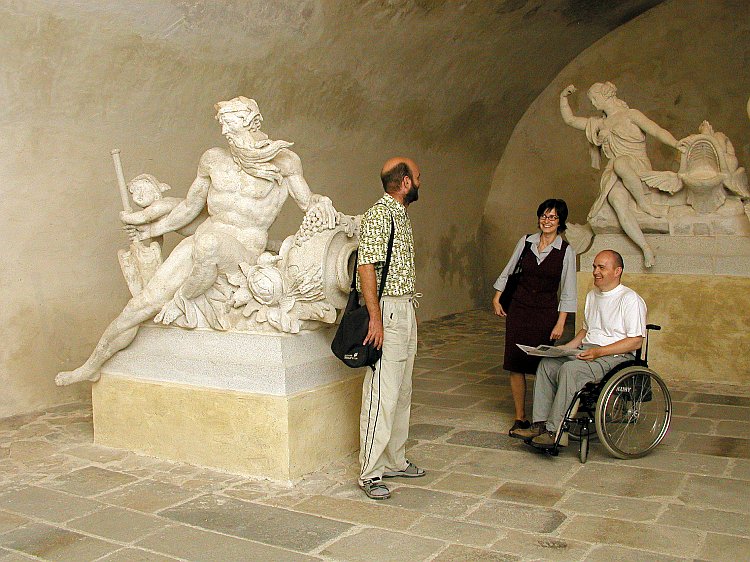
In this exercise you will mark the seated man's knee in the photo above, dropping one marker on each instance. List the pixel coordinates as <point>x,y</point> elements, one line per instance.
<point>206,248</point>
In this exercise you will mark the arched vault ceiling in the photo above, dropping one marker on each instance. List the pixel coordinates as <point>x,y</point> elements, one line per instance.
<point>456,74</point>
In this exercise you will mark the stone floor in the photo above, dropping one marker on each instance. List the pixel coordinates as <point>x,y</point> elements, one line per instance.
<point>486,497</point>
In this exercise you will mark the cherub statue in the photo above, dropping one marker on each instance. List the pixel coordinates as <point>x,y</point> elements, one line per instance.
<point>621,135</point>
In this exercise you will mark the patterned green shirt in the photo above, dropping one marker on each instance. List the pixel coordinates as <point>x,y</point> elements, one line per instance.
<point>374,232</point>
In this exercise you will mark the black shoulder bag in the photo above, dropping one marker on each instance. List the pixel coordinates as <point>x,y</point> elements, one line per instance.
<point>355,322</point>
<point>512,284</point>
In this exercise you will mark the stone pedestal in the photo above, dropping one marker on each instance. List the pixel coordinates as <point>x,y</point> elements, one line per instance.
<point>704,321</point>
<point>689,255</point>
<point>269,405</point>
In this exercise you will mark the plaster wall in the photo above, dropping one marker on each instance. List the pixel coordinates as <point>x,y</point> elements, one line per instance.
<point>351,83</point>
<point>679,63</point>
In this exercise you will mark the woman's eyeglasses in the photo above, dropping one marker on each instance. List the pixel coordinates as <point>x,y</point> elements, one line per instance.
<point>549,218</point>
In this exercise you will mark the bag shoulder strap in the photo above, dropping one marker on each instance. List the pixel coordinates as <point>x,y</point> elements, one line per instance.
<point>526,246</point>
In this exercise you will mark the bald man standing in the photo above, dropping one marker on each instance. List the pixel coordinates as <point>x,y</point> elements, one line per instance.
<point>386,393</point>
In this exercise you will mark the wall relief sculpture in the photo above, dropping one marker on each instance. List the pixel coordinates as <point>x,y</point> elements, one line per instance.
<point>708,195</point>
<point>222,276</point>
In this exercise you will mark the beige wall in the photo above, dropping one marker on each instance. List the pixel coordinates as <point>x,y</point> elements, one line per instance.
<point>351,83</point>
<point>679,63</point>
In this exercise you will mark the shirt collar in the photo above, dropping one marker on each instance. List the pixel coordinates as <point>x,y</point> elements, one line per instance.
<point>556,243</point>
<point>392,204</point>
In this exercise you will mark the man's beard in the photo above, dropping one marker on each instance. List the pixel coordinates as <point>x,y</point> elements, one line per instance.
<point>411,195</point>
<point>254,158</point>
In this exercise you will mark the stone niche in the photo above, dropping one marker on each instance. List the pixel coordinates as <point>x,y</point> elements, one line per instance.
<point>271,405</point>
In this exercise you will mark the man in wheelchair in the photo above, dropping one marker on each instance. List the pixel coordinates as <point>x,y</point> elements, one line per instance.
<point>613,329</point>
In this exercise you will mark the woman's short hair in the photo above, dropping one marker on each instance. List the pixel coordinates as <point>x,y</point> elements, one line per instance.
<point>560,207</point>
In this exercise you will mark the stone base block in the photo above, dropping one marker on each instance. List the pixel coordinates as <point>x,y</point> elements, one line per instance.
<point>704,333</point>
<point>280,415</point>
<point>695,255</point>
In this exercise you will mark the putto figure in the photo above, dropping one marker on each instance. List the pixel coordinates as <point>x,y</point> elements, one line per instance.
<point>243,187</point>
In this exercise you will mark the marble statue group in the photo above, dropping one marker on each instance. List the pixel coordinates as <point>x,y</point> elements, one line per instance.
<point>708,195</point>
<point>222,276</point>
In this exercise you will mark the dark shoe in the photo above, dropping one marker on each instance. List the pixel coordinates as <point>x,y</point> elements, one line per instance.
<point>411,471</point>
<point>536,428</point>
<point>375,489</point>
<point>519,424</point>
<point>546,440</point>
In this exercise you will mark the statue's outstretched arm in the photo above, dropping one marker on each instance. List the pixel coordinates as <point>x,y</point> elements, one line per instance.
<point>188,209</point>
<point>653,129</point>
<point>300,190</point>
<point>567,113</point>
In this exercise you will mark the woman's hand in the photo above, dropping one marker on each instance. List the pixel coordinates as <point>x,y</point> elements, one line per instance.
<point>496,306</point>
<point>567,91</point>
<point>557,332</point>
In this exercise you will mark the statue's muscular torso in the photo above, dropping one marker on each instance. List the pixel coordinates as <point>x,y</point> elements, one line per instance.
<point>241,205</point>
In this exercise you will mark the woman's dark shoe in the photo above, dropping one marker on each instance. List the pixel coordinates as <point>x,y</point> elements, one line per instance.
<point>519,424</point>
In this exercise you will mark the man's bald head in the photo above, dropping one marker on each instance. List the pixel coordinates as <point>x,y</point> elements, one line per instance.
<point>395,170</point>
<point>615,257</point>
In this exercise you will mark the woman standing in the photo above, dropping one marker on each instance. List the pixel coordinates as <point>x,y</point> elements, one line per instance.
<point>535,316</point>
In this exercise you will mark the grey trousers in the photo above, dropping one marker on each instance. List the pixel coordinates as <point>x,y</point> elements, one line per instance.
<point>386,393</point>
<point>559,378</point>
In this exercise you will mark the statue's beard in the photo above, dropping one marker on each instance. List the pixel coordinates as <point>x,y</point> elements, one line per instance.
<point>253,156</point>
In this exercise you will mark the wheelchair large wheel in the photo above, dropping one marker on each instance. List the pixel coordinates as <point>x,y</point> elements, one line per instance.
<point>633,412</point>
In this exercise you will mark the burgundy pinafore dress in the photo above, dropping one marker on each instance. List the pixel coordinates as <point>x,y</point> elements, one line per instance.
<point>533,311</point>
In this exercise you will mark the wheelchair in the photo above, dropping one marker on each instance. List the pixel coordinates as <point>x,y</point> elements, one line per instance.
<point>630,409</point>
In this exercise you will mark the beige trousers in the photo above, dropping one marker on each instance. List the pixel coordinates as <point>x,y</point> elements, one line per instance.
<point>386,393</point>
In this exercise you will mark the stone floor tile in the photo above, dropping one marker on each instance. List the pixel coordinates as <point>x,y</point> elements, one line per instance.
<point>467,484</point>
<point>269,525</point>
<point>519,465</point>
<point>741,469</point>
<point>632,509</point>
<point>89,481</point>
<point>430,502</point>
<point>733,428</point>
<point>692,425</point>
<point>478,366</point>
<point>53,543</point>
<point>118,524</point>
<point>725,547</point>
<point>435,363</point>
<point>434,385</point>
<point>457,378</point>
<point>721,412</point>
<point>456,553</point>
<point>436,455</point>
<point>455,531</point>
<point>49,505</point>
<point>532,546</point>
<point>135,555</point>
<point>530,518</point>
<point>717,446</point>
<point>9,521</point>
<point>247,495</point>
<point>28,450</point>
<point>629,481</point>
<point>97,453</point>
<point>443,400</point>
<point>528,493</point>
<point>10,556</point>
<point>147,495</point>
<point>708,491</point>
<point>690,463</point>
<point>705,519</point>
<point>608,553</point>
<point>725,399</point>
<point>683,409</point>
<point>375,514</point>
<point>486,440</point>
<point>196,544</point>
<point>428,431</point>
<point>484,391</point>
<point>646,536</point>
<point>369,545</point>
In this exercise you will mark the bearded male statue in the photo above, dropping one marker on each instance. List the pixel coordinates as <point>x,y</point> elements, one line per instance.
<point>243,187</point>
